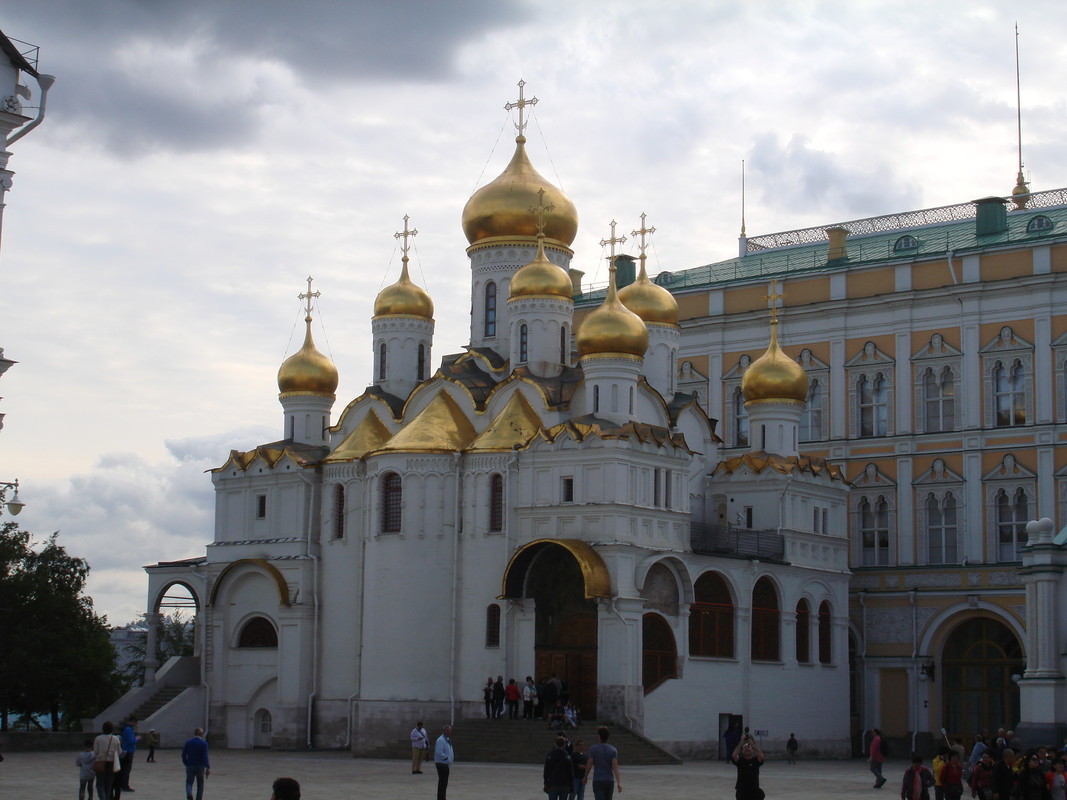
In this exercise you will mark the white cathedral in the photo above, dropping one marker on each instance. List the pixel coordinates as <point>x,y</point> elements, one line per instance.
<point>546,501</point>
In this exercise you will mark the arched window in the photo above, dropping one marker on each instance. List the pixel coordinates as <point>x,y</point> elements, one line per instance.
<point>258,632</point>
<point>811,419</point>
<point>496,503</point>
<point>872,405</point>
<point>941,528</point>
<point>490,309</point>
<point>659,654</point>
<point>524,344</point>
<point>874,532</point>
<point>596,399</point>
<point>1039,224</point>
<point>422,362</point>
<point>1013,512</point>
<point>492,625</point>
<point>563,345</point>
<point>392,502</point>
<point>381,361</point>
<point>740,419</point>
<point>711,618</point>
<point>825,633</point>
<point>1009,397</point>
<point>803,632</point>
<point>339,511</point>
<point>765,617</point>
<point>905,242</point>
<point>939,392</point>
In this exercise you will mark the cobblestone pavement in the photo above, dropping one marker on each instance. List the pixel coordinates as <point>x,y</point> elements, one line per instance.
<point>248,774</point>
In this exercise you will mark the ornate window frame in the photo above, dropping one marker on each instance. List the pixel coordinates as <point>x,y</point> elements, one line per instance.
<point>870,364</point>
<point>936,355</point>
<point>818,379</point>
<point>1005,349</point>
<point>692,381</point>
<point>1009,476</point>
<point>938,482</point>
<point>731,384</point>
<point>1059,369</point>
<point>871,486</point>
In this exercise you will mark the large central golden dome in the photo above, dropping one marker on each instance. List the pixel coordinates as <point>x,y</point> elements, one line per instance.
<point>774,375</point>
<point>502,207</point>
<point>307,370</point>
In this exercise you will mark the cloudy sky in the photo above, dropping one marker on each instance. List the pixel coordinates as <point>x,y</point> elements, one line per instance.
<point>200,160</point>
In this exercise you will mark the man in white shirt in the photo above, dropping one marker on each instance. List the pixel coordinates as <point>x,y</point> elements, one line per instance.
<point>443,756</point>
<point>420,740</point>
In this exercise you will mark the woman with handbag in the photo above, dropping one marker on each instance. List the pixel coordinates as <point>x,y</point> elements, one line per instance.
<point>106,748</point>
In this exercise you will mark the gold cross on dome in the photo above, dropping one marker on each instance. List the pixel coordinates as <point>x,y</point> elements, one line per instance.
<point>540,209</point>
<point>642,231</point>
<point>308,296</point>
<point>773,298</point>
<point>405,235</point>
<point>520,104</point>
<point>613,241</point>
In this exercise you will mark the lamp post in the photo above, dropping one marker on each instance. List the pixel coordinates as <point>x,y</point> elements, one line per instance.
<point>14,505</point>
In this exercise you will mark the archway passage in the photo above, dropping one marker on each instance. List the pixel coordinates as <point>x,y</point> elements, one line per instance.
<point>565,627</point>
<point>659,654</point>
<point>978,692</point>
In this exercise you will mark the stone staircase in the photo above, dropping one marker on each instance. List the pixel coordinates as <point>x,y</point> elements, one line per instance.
<point>157,701</point>
<point>528,742</point>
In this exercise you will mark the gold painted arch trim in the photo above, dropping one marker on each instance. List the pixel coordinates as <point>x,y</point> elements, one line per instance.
<point>262,563</point>
<point>595,573</point>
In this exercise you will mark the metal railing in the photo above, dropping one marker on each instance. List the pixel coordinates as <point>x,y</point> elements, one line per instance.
<point>728,540</point>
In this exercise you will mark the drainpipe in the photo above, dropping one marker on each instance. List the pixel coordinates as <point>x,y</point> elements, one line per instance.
<point>45,82</point>
<point>914,666</point>
<point>952,269</point>
<point>457,527</point>
<point>315,618</point>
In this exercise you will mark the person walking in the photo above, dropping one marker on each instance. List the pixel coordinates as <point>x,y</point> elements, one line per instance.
<point>498,697</point>
<point>129,739</point>
<point>952,777</point>
<point>197,764</point>
<point>420,740</point>
<point>558,772</point>
<point>106,748</point>
<point>982,777</point>
<point>603,766</point>
<point>791,748</point>
<point>917,781</point>
<point>876,757</point>
<point>487,695</point>
<point>1004,775</point>
<point>443,758</point>
<point>512,693</point>
<point>153,743</point>
<point>86,774</point>
<point>748,758</point>
<point>580,759</point>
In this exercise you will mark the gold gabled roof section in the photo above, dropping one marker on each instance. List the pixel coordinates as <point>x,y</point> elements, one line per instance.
<point>270,455</point>
<point>441,427</point>
<point>514,426</point>
<point>369,435</point>
<point>758,462</point>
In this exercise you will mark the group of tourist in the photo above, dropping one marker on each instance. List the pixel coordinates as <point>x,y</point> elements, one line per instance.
<point>546,699</point>
<point>568,769</point>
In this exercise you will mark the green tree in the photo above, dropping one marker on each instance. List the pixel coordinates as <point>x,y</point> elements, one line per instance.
<point>55,653</point>
<point>174,637</point>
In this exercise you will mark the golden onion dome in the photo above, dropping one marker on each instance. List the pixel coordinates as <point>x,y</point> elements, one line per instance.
<point>650,302</point>
<point>403,298</point>
<point>307,370</point>
<point>1020,193</point>
<point>502,206</point>
<point>774,375</point>
<point>612,328</point>
<point>542,278</point>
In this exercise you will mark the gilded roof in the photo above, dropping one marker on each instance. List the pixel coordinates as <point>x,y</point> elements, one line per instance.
<point>774,375</point>
<point>468,374</point>
<point>369,435</point>
<point>305,455</point>
<point>515,425</point>
<point>307,370</point>
<point>440,427</point>
<point>403,298</point>
<point>760,461</point>
<point>581,428</point>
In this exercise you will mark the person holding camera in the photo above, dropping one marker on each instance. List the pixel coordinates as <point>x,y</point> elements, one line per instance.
<point>748,758</point>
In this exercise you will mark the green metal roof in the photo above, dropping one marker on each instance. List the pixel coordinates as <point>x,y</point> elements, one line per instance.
<point>809,255</point>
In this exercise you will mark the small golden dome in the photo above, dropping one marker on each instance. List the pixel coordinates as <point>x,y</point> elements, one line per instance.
<point>612,328</point>
<point>403,298</point>
<point>542,278</point>
<point>502,207</point>
<point>650,302</point>
<point>1020,193</point>
<point>774,375</point>
<point>307,370</point>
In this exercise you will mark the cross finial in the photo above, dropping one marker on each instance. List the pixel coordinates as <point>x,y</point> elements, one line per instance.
<point>520,104</point>
<point>308,296</point>
<point>612,241</point>
<point>540,210</point>
<point>773,298</point>
<point>405,235</point>
<point>642,232</point>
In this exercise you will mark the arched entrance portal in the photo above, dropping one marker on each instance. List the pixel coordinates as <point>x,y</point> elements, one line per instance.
<point>979,658</point>
<point>564,578</point>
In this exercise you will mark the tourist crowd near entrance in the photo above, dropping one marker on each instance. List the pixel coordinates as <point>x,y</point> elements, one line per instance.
<point>793,491</point>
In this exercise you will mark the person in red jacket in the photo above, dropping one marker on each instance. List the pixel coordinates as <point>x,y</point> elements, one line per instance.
<point>512,693</point>
<point>982,778</point>
<point>876,759</point>
<point>952,777</point>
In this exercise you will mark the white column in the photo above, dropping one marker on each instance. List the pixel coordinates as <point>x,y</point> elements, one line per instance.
<point>151,663</point>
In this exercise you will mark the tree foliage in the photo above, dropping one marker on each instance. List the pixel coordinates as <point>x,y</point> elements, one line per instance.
<point>55,653</point>
<point>174,637</point>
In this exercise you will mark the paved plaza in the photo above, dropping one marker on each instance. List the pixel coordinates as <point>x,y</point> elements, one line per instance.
<point>248,774</point>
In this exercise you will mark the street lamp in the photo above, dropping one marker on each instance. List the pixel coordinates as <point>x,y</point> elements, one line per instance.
<point>14,505</point>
